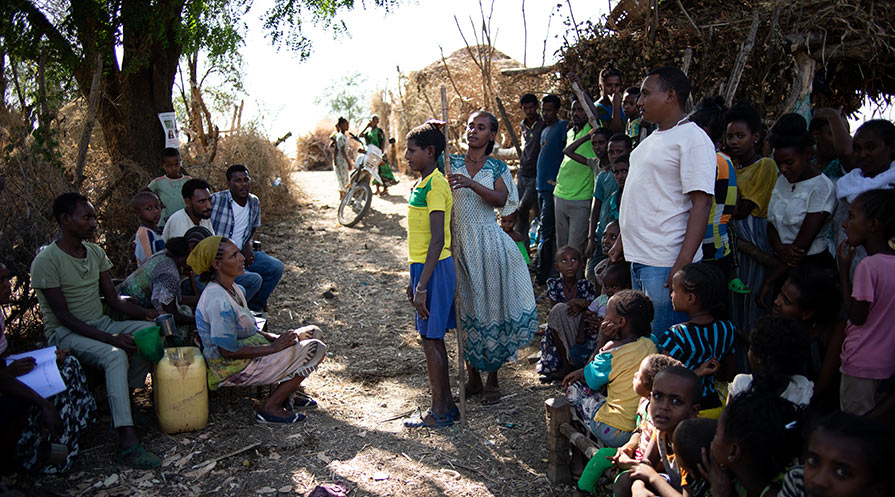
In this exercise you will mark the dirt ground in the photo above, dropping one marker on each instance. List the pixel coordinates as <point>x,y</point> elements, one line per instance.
<point>374,372</point>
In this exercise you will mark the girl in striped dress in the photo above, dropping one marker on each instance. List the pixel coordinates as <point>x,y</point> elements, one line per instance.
<point>707,336</point>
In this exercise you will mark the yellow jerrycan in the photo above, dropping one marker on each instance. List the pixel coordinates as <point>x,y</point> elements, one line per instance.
<point>180,388</point>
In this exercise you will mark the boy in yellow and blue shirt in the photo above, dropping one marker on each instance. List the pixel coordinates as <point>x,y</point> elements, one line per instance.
<point>433,276</point>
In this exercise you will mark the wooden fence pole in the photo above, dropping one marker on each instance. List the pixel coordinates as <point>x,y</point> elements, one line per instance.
<point>461,367</point>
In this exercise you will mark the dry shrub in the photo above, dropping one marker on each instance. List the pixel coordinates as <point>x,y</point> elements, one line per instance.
<point>421,93</point>
<point>314,151</point>
<point>35,171</point>
<point>265,162</point>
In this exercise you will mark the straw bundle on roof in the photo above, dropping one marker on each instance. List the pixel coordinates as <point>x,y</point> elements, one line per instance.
<point>838,51</point>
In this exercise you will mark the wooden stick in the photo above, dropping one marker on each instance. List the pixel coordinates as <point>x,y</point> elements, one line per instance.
<point>740,63</point>
<point>461,370</point>
<point>594,123</point>
<point>558,458</point>
<point>225,456</point>
<point>509,126</point>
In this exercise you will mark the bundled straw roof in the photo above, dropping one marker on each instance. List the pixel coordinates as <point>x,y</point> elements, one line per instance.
<point>838,51</point>
<point>421,99</point>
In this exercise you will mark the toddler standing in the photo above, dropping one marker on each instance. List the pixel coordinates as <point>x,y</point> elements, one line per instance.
<point>169,187</point>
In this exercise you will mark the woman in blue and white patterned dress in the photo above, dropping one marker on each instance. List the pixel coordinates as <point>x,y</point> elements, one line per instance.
<point>495,297</point>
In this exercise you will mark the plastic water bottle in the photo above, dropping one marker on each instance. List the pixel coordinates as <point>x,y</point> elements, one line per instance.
<point>277,181</point>
<point>533,232</point>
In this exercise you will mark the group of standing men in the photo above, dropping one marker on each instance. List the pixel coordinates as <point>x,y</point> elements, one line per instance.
<point>664,211</point>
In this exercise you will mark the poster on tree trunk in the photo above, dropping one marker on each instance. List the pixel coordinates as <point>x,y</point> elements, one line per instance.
<point>169,125</point>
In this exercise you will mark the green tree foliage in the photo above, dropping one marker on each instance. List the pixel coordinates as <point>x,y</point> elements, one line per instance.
<point>346,97</point>
<point>150,37</point>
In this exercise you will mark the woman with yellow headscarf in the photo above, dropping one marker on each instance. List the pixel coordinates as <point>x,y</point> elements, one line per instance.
<point>237,352</point>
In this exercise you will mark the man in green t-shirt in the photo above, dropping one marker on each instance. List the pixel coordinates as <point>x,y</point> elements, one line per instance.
<point>70,275</point>
<point>574,185</point>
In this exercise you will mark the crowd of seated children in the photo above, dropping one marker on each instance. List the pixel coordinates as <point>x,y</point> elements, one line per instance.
<point>625,456</point>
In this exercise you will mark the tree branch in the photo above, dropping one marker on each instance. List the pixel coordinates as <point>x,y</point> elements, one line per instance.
<point>89,120</point>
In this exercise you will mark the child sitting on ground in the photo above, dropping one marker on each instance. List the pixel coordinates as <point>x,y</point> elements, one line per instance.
<point>577,295</point>
<point>846,456</point>
<point>629,454</point>
<point>752,446</point>
<point>169,187</point>
<point>778,348</point>
<point>624,332</point>
<point>573,337</point>
<point>867,353</point>
<point>508,224</point>
<point>812,296</point>
<point>699,291</point>
<point>147,240</point>
<point>674,398</point>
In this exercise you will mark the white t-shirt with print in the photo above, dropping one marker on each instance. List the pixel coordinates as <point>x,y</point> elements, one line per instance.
<point>240,222</point>
<point>665,167</point>
<point>789,206</point>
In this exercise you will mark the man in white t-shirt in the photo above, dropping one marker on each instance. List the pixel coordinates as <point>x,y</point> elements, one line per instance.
<point>197,211</point>
<point>236,214</point>
<point>668,194</point>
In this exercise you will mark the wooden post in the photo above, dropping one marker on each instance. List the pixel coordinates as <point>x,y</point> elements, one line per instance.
<point>461,366</point>
<point>509,125</point>
<point>591,118</point>
<point>558,456</point>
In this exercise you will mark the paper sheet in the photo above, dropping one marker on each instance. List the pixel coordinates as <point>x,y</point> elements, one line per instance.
<point>44,378</point>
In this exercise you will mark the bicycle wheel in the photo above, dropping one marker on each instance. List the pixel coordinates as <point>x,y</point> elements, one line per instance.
<point>355,204</point>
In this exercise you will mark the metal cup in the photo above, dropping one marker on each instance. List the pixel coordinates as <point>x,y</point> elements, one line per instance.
<point>166,323</point>
<point>52,453</point>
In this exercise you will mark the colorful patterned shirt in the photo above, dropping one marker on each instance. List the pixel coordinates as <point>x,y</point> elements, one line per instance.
<point>716,243</point>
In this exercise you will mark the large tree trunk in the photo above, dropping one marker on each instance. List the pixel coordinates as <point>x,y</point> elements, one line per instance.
<point>142,87</point>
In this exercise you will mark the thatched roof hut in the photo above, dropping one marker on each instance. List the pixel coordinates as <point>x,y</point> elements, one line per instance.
<point>467,90</point>
<point>772,53</point>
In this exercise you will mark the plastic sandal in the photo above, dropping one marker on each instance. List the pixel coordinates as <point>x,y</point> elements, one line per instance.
<point>270,419</point>
<point>441,420</point>
<point>138,457</point>
<point>736,285</point>
<point>303,401</point>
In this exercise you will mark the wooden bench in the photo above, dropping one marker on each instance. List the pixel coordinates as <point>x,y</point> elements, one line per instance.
<point>562,438</point>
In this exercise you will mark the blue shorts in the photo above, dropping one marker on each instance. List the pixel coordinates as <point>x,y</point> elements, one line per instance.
<point>439,299</point>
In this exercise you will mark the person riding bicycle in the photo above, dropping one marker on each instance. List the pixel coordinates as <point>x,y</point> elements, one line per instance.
<point>375,136</point>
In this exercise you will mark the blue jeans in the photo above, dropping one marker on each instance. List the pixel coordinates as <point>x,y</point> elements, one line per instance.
<point>547,248</point>
<point>270,269</point>
<point>527,198</point>
<point>651,281</point>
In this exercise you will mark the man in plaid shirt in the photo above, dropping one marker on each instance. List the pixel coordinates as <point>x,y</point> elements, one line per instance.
<point>236,214</point>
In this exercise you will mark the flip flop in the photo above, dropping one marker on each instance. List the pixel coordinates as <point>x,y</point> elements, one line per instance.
<point>139,458</point>
<point>441,420</point>
<point>490,400</point>
<point>736,285</point>
<point>270,419</point>
<point>303,401</point>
